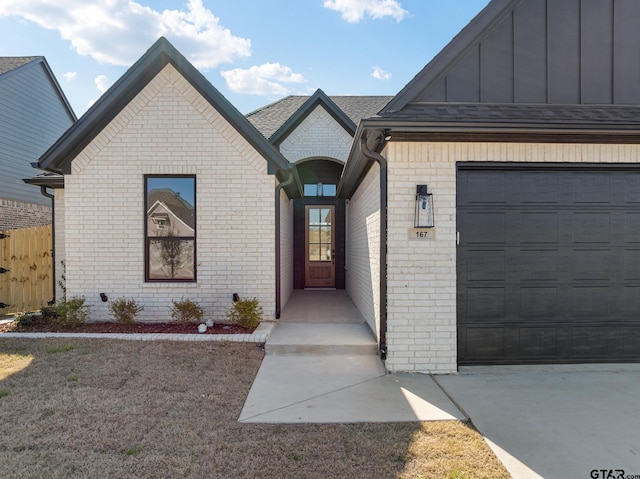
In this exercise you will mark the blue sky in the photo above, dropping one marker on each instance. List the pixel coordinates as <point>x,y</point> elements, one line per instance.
<point>253,51</point>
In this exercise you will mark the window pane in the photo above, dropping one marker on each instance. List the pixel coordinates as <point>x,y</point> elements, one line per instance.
<point>328,190</point>
<point>170,207</point>
<point>325,235</point>
<point>314,234</point>
<point>314,216</point>
<point>326,252</point>
<point>310,190</point>
<point>326,216</point>
<point>314,252</point>
<point>171,258</point>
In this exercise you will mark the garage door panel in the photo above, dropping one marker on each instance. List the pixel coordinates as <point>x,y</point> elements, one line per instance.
<point>537,343</point>
<point>539,188</point>
<point>590,265</point>
<point>538,303</point>
<point>549,270</point>
<point>591,227</point>
<point>537,227</point>
<point>486,265</point>
<point>484,228</point>
<point>485,304</point>
<point>590,187</point>
<point>632,228</point>
<point>486,343</point>
<point>535,265</point>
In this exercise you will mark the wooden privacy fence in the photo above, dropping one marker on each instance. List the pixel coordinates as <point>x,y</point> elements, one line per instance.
<point>25,269</point>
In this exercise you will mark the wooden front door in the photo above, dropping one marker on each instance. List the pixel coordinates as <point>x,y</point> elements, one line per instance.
<point>320,264</point>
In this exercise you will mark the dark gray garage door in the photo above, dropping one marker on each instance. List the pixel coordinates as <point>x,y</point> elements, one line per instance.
<point>548,264</point>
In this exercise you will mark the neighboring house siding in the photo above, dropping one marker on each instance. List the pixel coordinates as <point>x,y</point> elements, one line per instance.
<point>32,117</point>
<point>318,136</point>
<point>363,248</point>
<point>18,214</point>
<point>422,273</point>
<point>286,248</point>
<point>170,129</point>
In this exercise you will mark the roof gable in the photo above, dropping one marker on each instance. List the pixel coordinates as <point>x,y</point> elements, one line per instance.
<point>536,51</point>
<point>58,158</point>
<point>319,98</point>
<point>270,118</point>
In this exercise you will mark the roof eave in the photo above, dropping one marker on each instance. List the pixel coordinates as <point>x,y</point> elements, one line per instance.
<point>55,183</point>
<point>78,136</point>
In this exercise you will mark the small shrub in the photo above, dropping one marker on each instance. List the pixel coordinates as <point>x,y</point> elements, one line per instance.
<point>125,310</point>
<point>27,320</point>
<point>49,313</point>
<point>4,393</point>
<point>246,312</point>
<point>73,312</point>
<point>187,311</point>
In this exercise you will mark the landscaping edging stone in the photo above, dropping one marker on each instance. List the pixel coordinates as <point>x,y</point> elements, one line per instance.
<point>260,335</point>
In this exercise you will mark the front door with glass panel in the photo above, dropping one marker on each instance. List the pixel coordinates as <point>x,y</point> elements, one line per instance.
<point>320,265</point>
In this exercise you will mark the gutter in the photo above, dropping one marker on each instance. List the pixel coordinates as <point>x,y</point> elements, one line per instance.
<point>43,190</point>
<point>279,187</point>
<point>382,161</point>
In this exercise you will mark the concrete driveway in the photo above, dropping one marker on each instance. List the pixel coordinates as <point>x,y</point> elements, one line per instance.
<point>555,421</point>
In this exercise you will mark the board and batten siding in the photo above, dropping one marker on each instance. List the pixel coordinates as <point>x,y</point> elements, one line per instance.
<point>363,249</point>
<point>170,129</point>
<point>421,273</point>
<point>32,117</point>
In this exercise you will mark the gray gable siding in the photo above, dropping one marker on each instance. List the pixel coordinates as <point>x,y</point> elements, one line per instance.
<point>540,51</point>
<point>32,117</point>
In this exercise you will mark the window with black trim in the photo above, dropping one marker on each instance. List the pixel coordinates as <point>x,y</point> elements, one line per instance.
<point>170,228</point>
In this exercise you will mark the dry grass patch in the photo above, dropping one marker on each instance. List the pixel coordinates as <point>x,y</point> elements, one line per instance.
<point>101,408</point>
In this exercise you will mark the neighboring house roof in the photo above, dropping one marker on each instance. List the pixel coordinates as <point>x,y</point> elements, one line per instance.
<point>172,201</point>
<point>59,157</point>
<point>10,63</point>
<point>270,118</point>
<point>521,70</point>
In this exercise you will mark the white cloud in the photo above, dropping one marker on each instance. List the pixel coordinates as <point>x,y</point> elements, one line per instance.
<point>117,32</point>
<point>102,82</point>
<point>354,10</point>
<point>69,76</point>
<point>380,74</point>
<point>267,79</point>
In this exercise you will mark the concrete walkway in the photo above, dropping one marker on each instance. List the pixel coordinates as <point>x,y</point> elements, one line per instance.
<point>321,367</point>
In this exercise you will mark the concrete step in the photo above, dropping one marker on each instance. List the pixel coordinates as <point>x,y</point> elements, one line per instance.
<point>326,339</point>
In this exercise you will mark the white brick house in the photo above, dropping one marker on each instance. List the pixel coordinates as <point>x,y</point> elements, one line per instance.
<point>529,151</point>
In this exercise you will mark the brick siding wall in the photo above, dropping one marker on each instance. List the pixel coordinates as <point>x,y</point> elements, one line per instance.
<point>18,214</point>
<point>169,128</point>
<point>318,136</point>
<point>422,273</point>
<point>363,249</point>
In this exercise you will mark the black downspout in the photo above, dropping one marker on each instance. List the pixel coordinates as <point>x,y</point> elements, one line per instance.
<point>281,185</point>
<point>43,190</point>
<point>382,161</point>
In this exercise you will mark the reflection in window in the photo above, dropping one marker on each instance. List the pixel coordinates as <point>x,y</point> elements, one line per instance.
<point>170,233</point>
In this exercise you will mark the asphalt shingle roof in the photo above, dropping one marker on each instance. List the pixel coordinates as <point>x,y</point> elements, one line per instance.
<point>519,113</point>
<point>270,118</point>
<point>10,63</point>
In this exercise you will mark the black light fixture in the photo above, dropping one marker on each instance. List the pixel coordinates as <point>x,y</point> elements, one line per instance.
<point>236,297</point>
<point>103,297</point>
<point>424,208</point>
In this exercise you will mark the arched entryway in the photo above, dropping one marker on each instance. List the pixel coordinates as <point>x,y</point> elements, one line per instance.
<point>319,226</point>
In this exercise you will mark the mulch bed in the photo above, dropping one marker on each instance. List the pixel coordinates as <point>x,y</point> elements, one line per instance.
<point>112,327</point>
